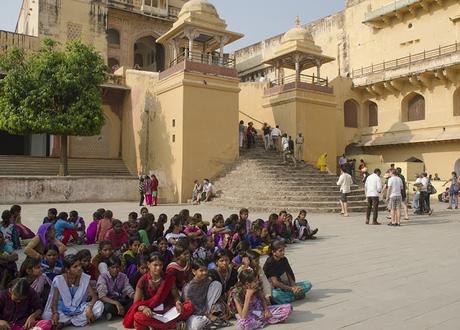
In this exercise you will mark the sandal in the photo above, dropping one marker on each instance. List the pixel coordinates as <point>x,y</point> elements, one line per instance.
<point>221,323</point>
<point>391,224</point>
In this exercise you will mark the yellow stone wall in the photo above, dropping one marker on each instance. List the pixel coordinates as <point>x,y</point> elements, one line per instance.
<point>204,137</point>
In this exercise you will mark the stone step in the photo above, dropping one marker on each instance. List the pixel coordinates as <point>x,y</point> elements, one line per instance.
<point>306,199</point>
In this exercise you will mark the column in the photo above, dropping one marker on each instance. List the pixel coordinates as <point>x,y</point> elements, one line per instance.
<point>297,68</point>
<point>318,71</point>
<point>191,34</point>
<point>223,42</point>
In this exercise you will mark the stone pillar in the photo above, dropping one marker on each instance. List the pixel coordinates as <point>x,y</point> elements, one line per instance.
<point>223,41</point>
<point>297,68</point>
<point>191,34</point>
<point>318,71</point>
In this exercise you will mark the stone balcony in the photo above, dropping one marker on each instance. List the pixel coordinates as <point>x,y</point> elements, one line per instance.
<point>144,8</point>
<point>305,82</point>
<point>203,63</point>
<point>434,60</point>
<point>10,40</point>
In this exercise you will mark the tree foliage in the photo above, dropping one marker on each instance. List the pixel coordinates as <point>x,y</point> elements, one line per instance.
<point>54,91</point>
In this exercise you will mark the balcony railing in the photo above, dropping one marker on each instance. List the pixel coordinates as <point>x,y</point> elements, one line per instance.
<point>407,61</point>
<point>305,82</point>
<point>211,59</point>
<point>304,78</point>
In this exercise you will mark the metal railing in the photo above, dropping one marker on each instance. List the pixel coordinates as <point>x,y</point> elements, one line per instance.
<point>407,60</point>
<point>304,78</point>
<point>211,59</point>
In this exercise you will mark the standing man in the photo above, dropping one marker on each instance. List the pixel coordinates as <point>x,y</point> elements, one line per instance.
<point>403,193</point>
<point>276,136</point>
<point>342,161</point>
<point>299,147</point>
<point>344,182</point>
<point>394,197</point>
<point>241,128</point>
<point>287,153</point>
<point>266,131</point>
<point>424,196</point>
<point>373,188</point>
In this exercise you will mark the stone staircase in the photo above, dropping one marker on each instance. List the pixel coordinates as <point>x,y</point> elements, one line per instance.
<point>41,166</point>
<point>260,181</point>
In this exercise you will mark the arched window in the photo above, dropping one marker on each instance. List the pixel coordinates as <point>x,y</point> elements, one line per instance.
<point>372,114</point>
<point>457,102</point>
<point>413,107</point>
<point>350,113</point>
<point>149,55</point>
<point>113,37</point>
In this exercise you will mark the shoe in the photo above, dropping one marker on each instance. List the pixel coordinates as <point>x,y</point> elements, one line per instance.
<point>367,222</point>
<point>431,212</point>
<point>376,223</point>
<point>314,232</point>
<point>456,207</point>
<point>346,215</point>
<point>449,208</point>
<point>390,224</point>
<point>108,316</point>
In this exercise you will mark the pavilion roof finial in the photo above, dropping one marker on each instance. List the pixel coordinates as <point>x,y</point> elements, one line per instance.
<point>297,21</point>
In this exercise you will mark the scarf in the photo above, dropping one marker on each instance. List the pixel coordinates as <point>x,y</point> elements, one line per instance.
<point>174,265</point>
<point>69,302</point>
<point>42,233</point>
<point>156,297</point>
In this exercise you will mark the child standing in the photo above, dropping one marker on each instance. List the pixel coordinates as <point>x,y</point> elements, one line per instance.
<point>251,309</point>
<point>114,290</point>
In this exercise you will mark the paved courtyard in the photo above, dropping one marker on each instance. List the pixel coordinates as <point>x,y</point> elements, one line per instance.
<point>364,277</point>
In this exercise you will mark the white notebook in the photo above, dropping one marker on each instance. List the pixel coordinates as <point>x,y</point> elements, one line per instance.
<point>170,315</point>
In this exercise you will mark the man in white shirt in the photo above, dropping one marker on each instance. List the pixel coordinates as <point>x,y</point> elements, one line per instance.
<point>276,137</point>
<point>373,188</point>
<point>342,160</point>
<point>207,190</point>
<point>394,196</point>
<point>344,182</point>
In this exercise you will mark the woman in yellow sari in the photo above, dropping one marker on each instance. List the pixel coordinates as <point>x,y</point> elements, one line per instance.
<point>321,164</point>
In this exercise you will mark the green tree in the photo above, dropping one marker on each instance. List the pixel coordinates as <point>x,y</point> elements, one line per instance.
<point>54,91</point>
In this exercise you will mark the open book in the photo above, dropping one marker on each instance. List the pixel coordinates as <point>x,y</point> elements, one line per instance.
<point>170,315</point>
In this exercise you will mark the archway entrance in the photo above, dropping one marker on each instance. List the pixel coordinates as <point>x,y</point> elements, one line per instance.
<point>149,55</point>
<point>457,167</point>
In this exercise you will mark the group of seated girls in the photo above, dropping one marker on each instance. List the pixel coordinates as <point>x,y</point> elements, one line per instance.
<point>187,276</point>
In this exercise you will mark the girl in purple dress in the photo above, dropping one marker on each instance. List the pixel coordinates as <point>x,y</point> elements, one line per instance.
<point>250,306</point>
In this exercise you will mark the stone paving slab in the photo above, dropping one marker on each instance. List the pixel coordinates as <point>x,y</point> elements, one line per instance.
<point>364,277</point>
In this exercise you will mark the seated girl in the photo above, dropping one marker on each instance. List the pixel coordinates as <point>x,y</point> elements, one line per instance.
<point>51,217</point>
<point>165,253</point>
<point>31,270</point>
<point>255,239</point>
<point>154,295</point>
<point>68,300</point>
<point>282,279</point>
<point>251,260</point>
<point>46,236</point>
<point>105,251</point>
<point>80,226</point>
<point>224,273</point>
<point>180,268</point>
<point>117,235</point>
<point>23,231</point>
<point>9,231</point>
<point>143,228</point>
<point>51,265</point>
<point>175,231</point>
<point>114,290</point>
<point>65,229</point>
<point>204,294</point>
<point>8,268</point>
<point>251,309</point>
<point>84,256</point>
<point>131,256</point>
<point>205,251</point>
<point>141,269</point>
<point>218,231</point>
<point>20,308</point>
<point>303,228</point>
<point>91,231</point>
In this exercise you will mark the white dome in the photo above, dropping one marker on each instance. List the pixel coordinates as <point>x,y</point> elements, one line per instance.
<point>202,6</point>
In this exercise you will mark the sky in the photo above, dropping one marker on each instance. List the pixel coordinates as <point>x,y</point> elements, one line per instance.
<point>257,19</point>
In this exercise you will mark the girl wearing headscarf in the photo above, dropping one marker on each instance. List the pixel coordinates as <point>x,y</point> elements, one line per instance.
<point>46,236</point>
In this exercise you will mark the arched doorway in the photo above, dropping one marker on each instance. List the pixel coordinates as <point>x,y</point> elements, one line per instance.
<point>413,107</point>
<point>149,55</point>
<point>457,166</point>
<point>350,113</point>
